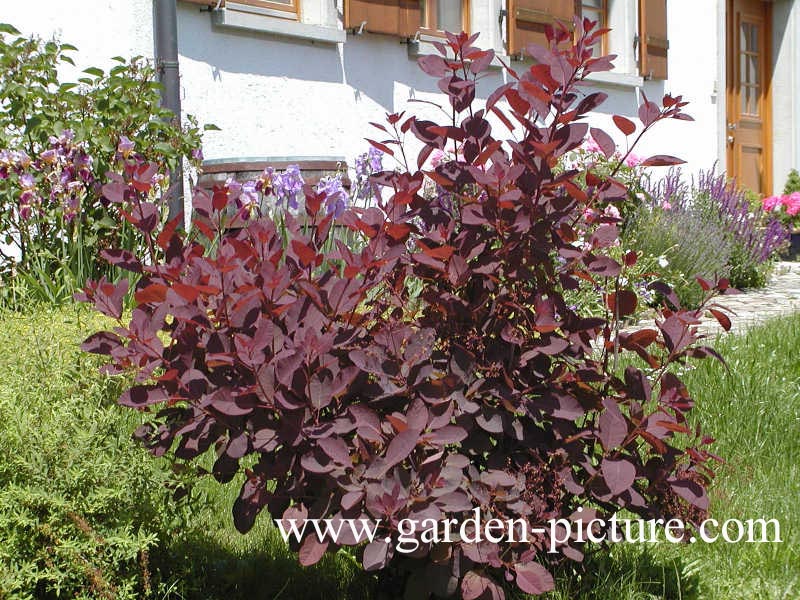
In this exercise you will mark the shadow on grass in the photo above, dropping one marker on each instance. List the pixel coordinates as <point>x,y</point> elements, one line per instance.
<point>267,570</point>
<point>628,573</point>
<point>205,568</point>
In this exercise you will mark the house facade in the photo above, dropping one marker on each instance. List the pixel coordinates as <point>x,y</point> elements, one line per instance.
<point>300,80</point>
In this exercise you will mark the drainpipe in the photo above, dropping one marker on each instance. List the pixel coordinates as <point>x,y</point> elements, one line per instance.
<point>166,46</point>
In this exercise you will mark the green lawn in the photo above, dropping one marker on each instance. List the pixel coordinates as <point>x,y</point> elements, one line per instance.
<point>753,412</point>
<point>65,450</point>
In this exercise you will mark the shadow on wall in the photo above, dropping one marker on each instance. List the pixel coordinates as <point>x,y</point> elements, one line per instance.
<point>368,58</point>
<point>376,68</point>
<point>228,51</point>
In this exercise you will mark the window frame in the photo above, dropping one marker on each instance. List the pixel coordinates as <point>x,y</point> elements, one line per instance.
<point>293,8</point>
<point>426,27</point>
<point>603,14</point>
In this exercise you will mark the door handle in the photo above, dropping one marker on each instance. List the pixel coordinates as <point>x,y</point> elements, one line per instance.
<point>731,126</point>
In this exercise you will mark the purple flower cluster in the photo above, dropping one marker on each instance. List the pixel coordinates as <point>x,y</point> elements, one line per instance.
<point>287,186</point>
<point>365,165</point>
<point>741,220</point>
<point>61,175</point>
<point>712,196</point>
<point>335,195</point>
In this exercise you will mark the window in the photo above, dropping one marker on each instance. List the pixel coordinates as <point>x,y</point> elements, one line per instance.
<point>445,15</point>
<point>527,20</point>
<point>405,18</point>
<point>278,8</point>
<point>653,42</point>
<point>595,10</point>
<point>643,21</point>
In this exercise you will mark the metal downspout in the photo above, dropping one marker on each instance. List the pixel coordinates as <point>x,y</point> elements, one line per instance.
<point>166,48</point>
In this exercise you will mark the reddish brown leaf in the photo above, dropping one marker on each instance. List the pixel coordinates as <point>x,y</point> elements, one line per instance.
<point>662,160</point>
<point>155,292</point>
<point>306,255</point>
<point>722,318</point>
<point>625,125</point>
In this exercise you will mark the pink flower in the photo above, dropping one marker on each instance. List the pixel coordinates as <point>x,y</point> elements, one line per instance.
<point>633,160</point>
<point>666,205</point>
<point>770,203</point>
<point>590,145</point>
<point>612,211</point>
<point>792,203</point>
<point>436,158</point>
<point>590,215</point>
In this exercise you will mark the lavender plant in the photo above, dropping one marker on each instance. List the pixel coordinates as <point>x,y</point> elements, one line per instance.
<point>754,245</point>
<point>704,226</point>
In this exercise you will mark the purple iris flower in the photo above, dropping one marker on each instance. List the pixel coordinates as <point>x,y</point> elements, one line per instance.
<point>288,185</point>
<point>335,195</point>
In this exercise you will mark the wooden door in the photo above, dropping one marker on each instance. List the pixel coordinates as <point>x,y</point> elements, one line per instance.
<point>749,138</point>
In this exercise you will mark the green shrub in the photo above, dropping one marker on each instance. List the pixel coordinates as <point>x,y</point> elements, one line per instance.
<point>84,512</point>
<point>58,140</point>
<point>687,243</point>
<point>706,227</point>
<point>792,182</point>
<point>745,272</point>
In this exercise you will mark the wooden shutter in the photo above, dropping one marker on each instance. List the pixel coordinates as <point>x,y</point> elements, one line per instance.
<point>653,38</point>
<point>393,17</point>
<point>527,18</point>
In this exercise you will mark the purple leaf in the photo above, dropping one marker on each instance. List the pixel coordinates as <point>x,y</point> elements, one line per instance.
<point>648,112</point>
<point>474,585</point>
<point>336,449</point>
<point>662,160</point>
<point>102,342</point>
<point>533,578</point>
<point>449,434</point>
<point>376,555</point>
<point>690,491</point>
<point>605,141</point>
<point>612,424</point>
<point>140,396</point>
<point>312,550</point>
<point>400,447</point>
<point>619,475</point>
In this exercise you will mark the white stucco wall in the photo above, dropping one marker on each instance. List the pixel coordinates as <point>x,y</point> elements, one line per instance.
<point>276,96</point>
<point>99,28</point>
<point>785,89</point>
<point>693,73</point>
<point>281,96</point>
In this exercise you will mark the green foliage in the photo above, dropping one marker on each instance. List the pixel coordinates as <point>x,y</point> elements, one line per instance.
<point>792,182</point>
<point>686,243</point>
<point>58,139</point>
<point>589,296</point>
<point>84,513</point>
<point>746,272</point>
